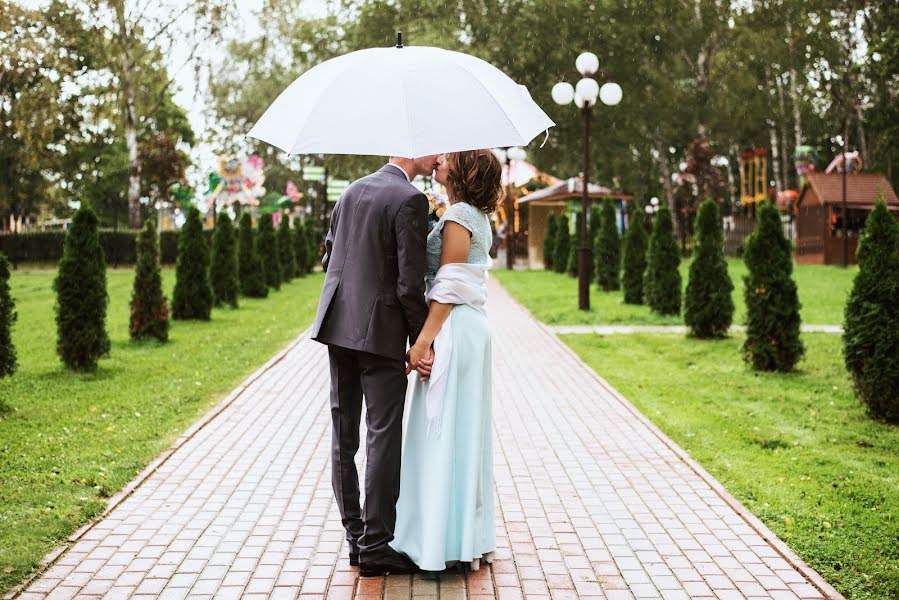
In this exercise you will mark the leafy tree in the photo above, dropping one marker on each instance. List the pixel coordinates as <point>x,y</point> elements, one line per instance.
<point>608,250</point>
<point>662,283</point>
<point>81,297</point>
<point>224,273</point>
<point>634,257</point>
<point>267,246</point>
<point>301,249</point>
<point>549,242</point>
<point>708,306</point>
<point>149,309</point>
<point>193,297</point>
<point>252,279</point>
<point>871,328</point>
<point>562,246</point>
<point>286,243</point>
<point>8,362</point>
<point>772,302</point>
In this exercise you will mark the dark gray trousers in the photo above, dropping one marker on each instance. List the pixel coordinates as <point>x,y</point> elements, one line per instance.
<point>382,381</point>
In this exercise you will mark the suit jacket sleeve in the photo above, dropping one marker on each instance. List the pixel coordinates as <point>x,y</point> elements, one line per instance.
<point>411,235</point>
<point>329,239</point>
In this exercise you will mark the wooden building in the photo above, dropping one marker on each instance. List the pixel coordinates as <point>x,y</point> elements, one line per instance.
<point>819,216</point>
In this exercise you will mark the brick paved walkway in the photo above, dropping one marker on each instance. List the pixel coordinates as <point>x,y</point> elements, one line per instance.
<point>593,501</point>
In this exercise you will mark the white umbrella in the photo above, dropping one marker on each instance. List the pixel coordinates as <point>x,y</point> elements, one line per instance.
<point>403,101</point>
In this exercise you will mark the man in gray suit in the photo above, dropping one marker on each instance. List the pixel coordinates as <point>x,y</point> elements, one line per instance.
<point>372,303</point>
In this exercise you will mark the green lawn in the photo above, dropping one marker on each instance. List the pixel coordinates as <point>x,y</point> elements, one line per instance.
<point>796,449</point>
<point>552,297</point>
<point>67,441</point>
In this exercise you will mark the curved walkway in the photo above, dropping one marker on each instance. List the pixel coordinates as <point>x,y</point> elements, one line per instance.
<point>593,501</point>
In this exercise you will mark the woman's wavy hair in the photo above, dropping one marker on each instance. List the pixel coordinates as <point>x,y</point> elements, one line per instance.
<point>475,177</point>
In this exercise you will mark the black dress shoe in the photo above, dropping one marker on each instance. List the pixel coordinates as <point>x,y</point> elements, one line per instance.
<point>385,561</point>
<point>354,559</point>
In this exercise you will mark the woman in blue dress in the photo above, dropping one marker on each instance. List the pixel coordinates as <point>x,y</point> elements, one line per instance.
<point>445,512</point>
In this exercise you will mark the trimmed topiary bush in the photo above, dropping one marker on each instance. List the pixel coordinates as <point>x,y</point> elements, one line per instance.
<point>252,280</point>
<point>223,273</point>
<point>593,224</point>
<point>193,294</point>
<point>81,297</point>
<point>549,242</point>
<point>708,305</point>
<point>286,249</point>
<point>149,310</point>
<point>662,282</point>
<point>772,302</point>
<point>608,250</point>
<point>871,326</point>
<point>8,362</point>
<point>635,242</point>
<point>301,248</point>
<point>574,244</point>
<point>267,248</point>
<point>315,253</point>
<point>562,246</point>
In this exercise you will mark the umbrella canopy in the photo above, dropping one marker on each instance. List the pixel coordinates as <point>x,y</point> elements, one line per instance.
<point>572,189</point>
<point>382,101</point>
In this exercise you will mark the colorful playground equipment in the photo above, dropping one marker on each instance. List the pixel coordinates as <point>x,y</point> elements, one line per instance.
<point>236,181</point>
<point>753,176</point>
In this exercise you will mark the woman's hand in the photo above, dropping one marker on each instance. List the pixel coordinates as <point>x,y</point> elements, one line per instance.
<point>420,358</point>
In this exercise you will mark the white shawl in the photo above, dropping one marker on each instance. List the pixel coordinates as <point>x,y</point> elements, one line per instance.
<point>455,283</point>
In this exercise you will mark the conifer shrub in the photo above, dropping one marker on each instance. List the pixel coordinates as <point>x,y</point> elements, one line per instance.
<point>267,247</point>
<point>662,282</point>
<point>193,297</point>
<point>251,278</point>
<point>149,309</point>
<point>223,273</point>
<point>708,305</point>
<point>286,252</point>
<point>593,224</point>
<point>81,297</point>
<point>871,326</point>
<point>571,265</point>
<point>562,246</point>
<point>301,248</point>
<point>608,250</point>
<point>772,302</point>
<point>549,242</point>
<point>8,361</point>
<point>635,242</point>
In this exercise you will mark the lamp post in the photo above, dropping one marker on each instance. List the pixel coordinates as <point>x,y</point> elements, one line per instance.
<point>584,96</point>
<point>506,156</point>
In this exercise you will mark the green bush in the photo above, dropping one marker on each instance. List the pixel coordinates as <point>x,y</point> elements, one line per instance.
<point>571,265</point>
<point>149,310</point>
<point>301,248</point>
<point>549,242</point>
<point>193,293</point>
<point>772,302</point>
<point>223,272</point>
<point>634,257</point>
<point>871,327</point>
<point>708,305</point>
<point>662,282</point>
<point>608,250</point>
<point>81,297</point>
<point>267,248</point>
<point>252,280</point>
<point>8,362</point>
<point>562,246</point>
<point>315,249</point>
<point>593,225</point>
<point>286,252</point>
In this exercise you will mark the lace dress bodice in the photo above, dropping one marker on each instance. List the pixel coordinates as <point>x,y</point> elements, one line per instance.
<point>473,220</point>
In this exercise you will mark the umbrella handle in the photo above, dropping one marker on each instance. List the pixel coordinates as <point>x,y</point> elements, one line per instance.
<point>399,39</point>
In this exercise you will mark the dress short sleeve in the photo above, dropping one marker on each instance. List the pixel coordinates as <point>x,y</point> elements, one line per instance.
<point>460,214</point>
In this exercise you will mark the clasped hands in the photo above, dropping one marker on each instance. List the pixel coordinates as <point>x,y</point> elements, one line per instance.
<point>420,358</point>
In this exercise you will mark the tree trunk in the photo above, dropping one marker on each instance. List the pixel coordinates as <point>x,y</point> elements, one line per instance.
<point>127,82</point>
<point>665,172</point>
<point>775,156</point>
<point>785,149</point>
<point>794,90</point>
<point>862,142</point>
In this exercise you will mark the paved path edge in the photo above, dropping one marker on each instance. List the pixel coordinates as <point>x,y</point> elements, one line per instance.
<point>754,522</point>
<point>151,468</point>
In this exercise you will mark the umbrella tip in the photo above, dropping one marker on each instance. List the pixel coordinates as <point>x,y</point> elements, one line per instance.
<point>399,39</point>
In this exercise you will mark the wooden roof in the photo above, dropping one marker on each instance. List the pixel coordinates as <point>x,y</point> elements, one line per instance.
<point>570,189</point>
<point>862,189</point>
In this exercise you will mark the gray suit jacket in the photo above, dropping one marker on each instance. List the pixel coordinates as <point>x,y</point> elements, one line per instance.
<point>373,298</point>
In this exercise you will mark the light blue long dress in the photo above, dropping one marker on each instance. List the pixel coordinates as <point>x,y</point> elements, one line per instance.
<point>445,510</point>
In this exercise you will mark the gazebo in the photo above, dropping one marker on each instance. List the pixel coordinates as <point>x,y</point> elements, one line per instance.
<point>819,214</point>
<point>553,200</point>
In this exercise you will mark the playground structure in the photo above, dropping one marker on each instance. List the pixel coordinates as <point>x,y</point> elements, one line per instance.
<point>753,177</point>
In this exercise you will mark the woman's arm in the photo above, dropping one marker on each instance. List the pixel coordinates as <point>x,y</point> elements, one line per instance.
<point>456,246</point>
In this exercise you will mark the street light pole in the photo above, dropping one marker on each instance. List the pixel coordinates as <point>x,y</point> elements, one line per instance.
<point>510,217</point>
<point>584,254</point>
<point>845,203</point>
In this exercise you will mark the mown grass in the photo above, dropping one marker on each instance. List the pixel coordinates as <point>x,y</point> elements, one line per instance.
<point>69,441</point>
<point>552,297</point>
<point>796,449</point>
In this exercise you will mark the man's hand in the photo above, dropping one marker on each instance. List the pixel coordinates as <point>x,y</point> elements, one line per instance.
<point>420,358</point>
<point>425,365</point>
